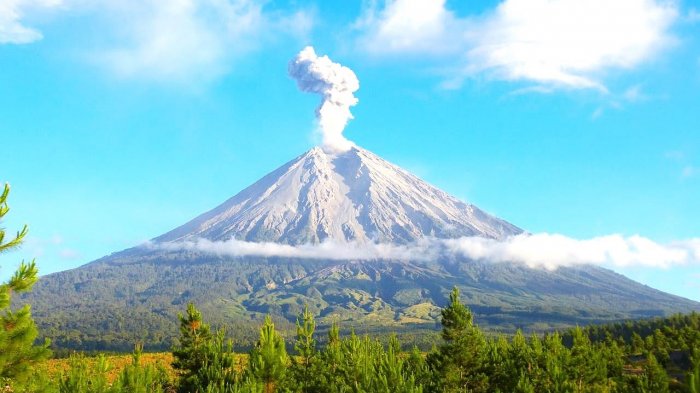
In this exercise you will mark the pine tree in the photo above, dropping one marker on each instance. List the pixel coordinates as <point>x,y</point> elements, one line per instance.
<point>218,370</point>
<point>637,343</point>
<point>304,363</point>
<point>655,379</point>
<point>331,360</point>
<point>83,378</point>
<point>416,366</point>
<point>190,355</point>
<point>461,359</point>
<point>694,374</point>
<point>521,362</point>
<point>554,360</point>
<point>586,366</point>
<point>392,374</point>
<point>17,329</point>
<point>500,375</point>
<point>268,359</point>
<point>140,378</point>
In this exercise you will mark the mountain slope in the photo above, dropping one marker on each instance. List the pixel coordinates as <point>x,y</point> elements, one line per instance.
<point>134,295</point>
<point>352,196</point>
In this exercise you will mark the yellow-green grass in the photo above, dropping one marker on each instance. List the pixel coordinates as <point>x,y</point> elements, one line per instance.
<point>116,363</point>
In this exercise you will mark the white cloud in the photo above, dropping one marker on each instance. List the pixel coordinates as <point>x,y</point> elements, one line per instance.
<point>189,39</point>
<point>689,171</point>
<point>551,251</point>
<point>682,163</point>
<point>634,94</point>
<point>13,29</point>
<point>70,254</point>
<point>563,43</point>
<point>413,26</point>
<point>48,248</point>
<point>175,40</point>
<point>327,250</point>
<point>543,250</point>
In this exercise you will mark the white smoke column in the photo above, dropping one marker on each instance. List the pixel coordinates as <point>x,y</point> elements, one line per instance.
<point>336,85</point>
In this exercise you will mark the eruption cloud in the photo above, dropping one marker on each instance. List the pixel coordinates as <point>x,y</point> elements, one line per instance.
<point>336,85</point>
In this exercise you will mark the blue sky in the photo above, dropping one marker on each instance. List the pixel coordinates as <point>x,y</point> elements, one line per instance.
<point>123,119</point>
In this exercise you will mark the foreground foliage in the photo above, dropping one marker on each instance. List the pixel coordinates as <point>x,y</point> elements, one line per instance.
<point>17,329</point>
<point>644,356</point>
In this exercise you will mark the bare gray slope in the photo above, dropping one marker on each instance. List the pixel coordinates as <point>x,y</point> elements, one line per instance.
<point>352,196</point>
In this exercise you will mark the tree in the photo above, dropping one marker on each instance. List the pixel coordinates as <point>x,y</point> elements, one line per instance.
<point>655,379</point>
<point>268,359</point>
<point>393,374</point>
<point>305,347</point>
<point>586,366</point>
<point>694,374</point>
<point>218,371</point>
<point>83,378</point>
<point>17,329</point>
<point>460,360</point>
<point>190,355</point>
<point>637,343</point>
<point>140,378</point>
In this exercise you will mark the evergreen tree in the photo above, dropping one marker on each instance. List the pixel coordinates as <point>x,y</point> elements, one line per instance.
<point>331,360</point>
<point>521,363</point>
<point>303,365</point>
<point>268,359</point>
<point>190,355</point>
<point>586,366</point>
<point>416,366</point>
<point>140,378</point>
<point>500,375</point>
<point>637,343</point>
<point>17,329</point>
<point>218,369</point>
<point>554,360</point>
<point>81,378</point>
<point>694,374</point>
<point>524,385</point>
<point>460,361</point>
<point>392,375</point>
<point>655,379</point>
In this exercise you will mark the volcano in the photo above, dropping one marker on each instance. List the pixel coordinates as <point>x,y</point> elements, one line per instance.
<point>351,196</point>
<point>348,197</point>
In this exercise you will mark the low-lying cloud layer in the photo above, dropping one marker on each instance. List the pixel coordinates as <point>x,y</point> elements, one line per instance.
<point>543,250</point>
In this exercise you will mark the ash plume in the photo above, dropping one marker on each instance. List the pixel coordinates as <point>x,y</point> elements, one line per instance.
<point>336,85</point>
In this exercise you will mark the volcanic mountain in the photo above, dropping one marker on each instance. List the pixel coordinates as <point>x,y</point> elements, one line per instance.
<point>349,197</point>
<point>352,196</point>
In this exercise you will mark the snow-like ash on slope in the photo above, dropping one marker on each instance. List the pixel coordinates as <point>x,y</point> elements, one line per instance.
<point>336,85</point>
<point>345,197</point>
<point>548,251</point>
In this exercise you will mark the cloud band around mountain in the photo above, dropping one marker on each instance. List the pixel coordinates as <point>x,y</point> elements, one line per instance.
<point>542,250</point>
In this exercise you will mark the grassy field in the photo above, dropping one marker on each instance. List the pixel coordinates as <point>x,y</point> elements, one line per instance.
<point>116,363</point>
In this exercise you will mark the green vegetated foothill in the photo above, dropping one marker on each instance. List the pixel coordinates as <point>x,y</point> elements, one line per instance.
<point>645,356</point>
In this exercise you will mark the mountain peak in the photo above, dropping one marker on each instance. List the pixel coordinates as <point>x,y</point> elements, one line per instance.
<point>346,196</point>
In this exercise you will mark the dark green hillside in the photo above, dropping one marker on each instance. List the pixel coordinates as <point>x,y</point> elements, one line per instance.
<point>134,296</point>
